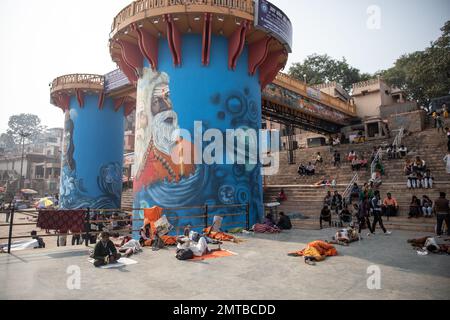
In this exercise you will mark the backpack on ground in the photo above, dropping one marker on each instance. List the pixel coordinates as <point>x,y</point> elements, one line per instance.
<point>185,254</point>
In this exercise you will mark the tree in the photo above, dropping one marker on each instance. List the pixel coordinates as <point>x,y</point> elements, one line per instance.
<point>424,75</point>
<point>322,68</point>
<point>7,141</point>
<point>24,126</point>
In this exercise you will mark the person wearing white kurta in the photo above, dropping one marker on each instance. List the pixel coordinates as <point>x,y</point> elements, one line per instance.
<point>447,160</point>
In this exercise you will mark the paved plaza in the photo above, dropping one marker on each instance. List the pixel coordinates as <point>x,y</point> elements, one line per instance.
<point>261,270</point>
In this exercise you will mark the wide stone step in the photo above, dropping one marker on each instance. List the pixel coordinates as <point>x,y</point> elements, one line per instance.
<point>314,224</point>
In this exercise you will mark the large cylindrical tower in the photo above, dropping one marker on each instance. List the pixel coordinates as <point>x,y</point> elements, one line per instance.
<point>92,156</point>
<point>199,66</point>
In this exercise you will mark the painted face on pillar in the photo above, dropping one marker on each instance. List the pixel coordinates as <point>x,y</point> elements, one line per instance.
<point>164,121</point>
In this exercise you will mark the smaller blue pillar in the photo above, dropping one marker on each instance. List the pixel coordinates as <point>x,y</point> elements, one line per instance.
<point>92,155</point>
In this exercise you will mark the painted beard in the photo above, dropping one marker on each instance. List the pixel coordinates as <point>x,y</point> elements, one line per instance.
<point>163,126</point>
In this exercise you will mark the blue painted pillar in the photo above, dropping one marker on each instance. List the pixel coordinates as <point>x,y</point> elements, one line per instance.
<point>177,97</point>
<point>92,156</point>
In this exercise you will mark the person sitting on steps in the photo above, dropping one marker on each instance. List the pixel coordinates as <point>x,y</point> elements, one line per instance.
<point>325,215</point>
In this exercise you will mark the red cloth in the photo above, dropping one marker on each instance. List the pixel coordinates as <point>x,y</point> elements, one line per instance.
<point>264,228</point>
<point>62,220</point>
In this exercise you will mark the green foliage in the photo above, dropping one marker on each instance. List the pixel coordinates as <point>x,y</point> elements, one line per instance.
<point>7,141</point>
<point>27,126</point>
<point>322,68</point>
<point>424,75</point>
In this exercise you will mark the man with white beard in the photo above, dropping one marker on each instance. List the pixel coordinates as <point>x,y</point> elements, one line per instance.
<point>155,144</point>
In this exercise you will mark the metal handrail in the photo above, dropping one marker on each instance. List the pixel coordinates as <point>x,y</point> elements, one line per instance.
<point>375,160</point>
<point>350,185</point>
<point>399,137</point>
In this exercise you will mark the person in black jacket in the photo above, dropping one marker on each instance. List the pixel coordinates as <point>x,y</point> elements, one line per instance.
<point>284,223</point>
<point>105,252</point>
<point>325,215</point>
<point>377,213</point>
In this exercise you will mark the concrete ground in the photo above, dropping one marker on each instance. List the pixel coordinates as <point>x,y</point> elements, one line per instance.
<point>261,271</point>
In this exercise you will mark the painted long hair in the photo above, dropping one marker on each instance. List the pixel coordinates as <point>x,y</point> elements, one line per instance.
<point>69,127</point>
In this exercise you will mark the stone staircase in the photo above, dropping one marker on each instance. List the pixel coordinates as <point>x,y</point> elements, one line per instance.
<point>308,200</point>
<point>127,198</point>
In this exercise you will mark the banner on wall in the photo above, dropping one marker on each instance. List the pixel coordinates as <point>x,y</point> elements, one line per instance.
<point>115,80</point>
<point>271,19</point>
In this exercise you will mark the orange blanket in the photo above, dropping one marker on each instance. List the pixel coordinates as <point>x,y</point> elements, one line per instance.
<point>214,255</point>
<point>318,249</point>
<point>220,236</point>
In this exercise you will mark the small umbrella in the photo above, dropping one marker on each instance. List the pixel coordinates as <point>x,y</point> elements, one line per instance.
<point>44,203</point>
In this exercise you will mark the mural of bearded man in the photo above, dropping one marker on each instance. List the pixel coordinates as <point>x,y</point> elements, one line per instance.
<point>156,142</point>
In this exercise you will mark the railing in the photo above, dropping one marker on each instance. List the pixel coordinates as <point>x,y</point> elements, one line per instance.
<point>398,139</point>
<point>206,213</point>
<point>375,161</point>
<point>348,189</point>
<point>141,6</point>
<point>282,100</point>
<point>325,98</point>
<point>366,83</point>
<point>91,79</point>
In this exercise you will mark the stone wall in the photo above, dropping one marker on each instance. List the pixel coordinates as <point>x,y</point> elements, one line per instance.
<point>412,121</point>
<point>387,111</point>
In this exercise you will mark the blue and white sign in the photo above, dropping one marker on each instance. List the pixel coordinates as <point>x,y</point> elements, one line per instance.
<point>271,19</point>
<point>115,80</point>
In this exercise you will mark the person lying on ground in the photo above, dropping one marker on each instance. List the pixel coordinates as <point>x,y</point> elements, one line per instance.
<point>215,237</point>
<point>268,226</point>
<point>345,236</point>
<point>105,252</point>
<point>126,245</point>
<point>284,223</point>
<point>268,220</point>
<point>323,182</point>
<point>430,244</point>
<point>316,251</point>
<point>196,243</point>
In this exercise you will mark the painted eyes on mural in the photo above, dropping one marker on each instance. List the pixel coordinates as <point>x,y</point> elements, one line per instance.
<point>161,99</point>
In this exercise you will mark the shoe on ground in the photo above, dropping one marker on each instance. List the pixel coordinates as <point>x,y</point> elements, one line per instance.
<point>388,233</point>
<point>370,234</point>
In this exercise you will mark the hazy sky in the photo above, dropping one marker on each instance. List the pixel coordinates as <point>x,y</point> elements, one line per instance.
<point>44,39</point>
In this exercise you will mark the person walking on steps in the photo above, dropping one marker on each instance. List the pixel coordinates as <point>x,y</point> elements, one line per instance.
<point>377,214</point>
<point>363,215</point>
